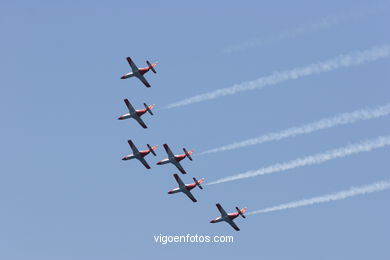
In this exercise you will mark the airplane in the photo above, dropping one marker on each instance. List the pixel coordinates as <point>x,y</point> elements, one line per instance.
<point>229,217</point>
<point>186,188</point>
<point>139,72</point>
<point>175,159</point>
<point>136,114</point>
<point>139,155</point>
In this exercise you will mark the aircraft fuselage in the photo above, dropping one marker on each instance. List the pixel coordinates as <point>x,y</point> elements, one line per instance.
<point>177,158</point>
<point>230,216</point>
<point>135,73</point>
<point>185,188</point>
<point>132,115</point>
<point>141,154</point>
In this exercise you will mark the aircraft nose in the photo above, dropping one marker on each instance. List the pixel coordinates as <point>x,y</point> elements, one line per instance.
<point>158,163</point>
<point>120,118</point>
<point>123,77</point>
<point>124,158</point>
<point>212,221</point>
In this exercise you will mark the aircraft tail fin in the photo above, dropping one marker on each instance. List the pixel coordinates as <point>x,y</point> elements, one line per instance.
<point>151,66</point>
<point>151,149</point>
<point>241,212</point>
<point>149,108</point>
<point>198,182</point>
<point>188,154</point>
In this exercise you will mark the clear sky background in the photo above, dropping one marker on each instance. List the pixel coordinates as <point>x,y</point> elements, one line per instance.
<point>66,194</point>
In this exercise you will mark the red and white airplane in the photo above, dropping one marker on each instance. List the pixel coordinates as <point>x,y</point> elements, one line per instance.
<point>136,114</point>
<point>186,188</point>
<point>139,72</point>
<point>139,155</point>
<point>175,159</point>
<point>229,217</point>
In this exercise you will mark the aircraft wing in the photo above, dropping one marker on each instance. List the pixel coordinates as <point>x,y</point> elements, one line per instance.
<point>223,212</point>
<point>189,195</point>
<point>231,223</point>
<point>178,180</point>
<point>144,162</point>
<point>135,150</point>
<point>129,106</point>
<point>178,166</point>
<point>132,64</point>
<point>140,121</point>
<point>169,152</point>
<point>143,80</point>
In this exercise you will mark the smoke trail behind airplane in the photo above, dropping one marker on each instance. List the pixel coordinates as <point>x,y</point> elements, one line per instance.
<point>352,192</point>
<point>324,23</point>
<point>342,61</point>
<point>365,146</point>
<point>325,123</point>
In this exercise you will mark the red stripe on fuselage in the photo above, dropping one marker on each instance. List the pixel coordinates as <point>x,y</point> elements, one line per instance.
<point>180,157</point>
<point>233,215</point>
<point>190,186</point>
<point>144,153</point>
<point>142,71</point>
<point>140,112</point>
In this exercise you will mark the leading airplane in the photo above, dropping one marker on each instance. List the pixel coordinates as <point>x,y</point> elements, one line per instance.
<point>229,217</point>
<point>139,155</point>
<point>186,188</point>
<point>139,72</point>
<point>136,114</point>
<point>175,159</point>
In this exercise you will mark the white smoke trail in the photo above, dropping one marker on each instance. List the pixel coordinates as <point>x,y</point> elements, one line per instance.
<point>342,61</point>
<point>324,23</point>
<point>354,191</point>
<point>365,146</point>
<point>340,119</point>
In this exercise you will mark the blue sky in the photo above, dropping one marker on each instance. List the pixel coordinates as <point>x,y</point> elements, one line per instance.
<point>65,193</point>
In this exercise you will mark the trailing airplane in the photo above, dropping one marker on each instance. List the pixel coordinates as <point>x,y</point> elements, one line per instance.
<point>136,114</point>
<point>139,155</point>
<point>175,159</point>
<point>139,72</point>
<point>228,217</point>
<point>186,188</point>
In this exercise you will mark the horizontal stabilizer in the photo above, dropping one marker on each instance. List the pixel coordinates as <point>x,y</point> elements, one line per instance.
<point>149,108</point>
<point>198,182</point>
<point>151,67</point>
<point>152,149</point>
<point>241,212</point>
<point>188,154</point>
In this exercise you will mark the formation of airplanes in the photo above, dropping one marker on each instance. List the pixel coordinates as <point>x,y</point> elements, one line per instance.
<point>172,158</point>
